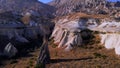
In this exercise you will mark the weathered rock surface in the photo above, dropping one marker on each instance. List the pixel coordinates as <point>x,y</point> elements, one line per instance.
<point>69,30</point>
<point>69,6</point>
<point>65,7</point>
<point>67,33</point>
<point>10,50</point>
<point>23,22</point>
<point>22,6</point>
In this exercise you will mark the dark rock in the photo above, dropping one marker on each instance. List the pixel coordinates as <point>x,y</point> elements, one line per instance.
<point>102,12</point>
<point>10,50</point>
<point>117,4</point>
<point>44,56</point>
<point>23,6</point>
<point>24,36</point>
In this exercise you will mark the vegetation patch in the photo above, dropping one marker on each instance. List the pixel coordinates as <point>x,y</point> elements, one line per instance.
<point>13,61</point>
<point>40,65</point>
<point>98,55</point>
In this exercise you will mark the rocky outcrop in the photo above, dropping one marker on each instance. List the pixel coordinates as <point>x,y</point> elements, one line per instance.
<point>69,30</point>
<point>117,4</point>
<point>23,23</point>
<point>10,50</point>
<point>64,7</point>
<point>111,41</point>
<point>69,6</point>
<point>67,34</point>
<point>109,34</point>
<point>22,6</point>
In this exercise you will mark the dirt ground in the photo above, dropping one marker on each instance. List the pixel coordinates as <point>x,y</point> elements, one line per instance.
<point>87,56</point>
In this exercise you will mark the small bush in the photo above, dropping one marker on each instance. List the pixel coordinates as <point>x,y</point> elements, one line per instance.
<point>40,65</point>
<point>30,63</point>
<point>98,55</point>
<point>13,61</point>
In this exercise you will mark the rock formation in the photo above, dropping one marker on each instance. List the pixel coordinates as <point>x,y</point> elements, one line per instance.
<point>65,7</point>
<point>68,6</point>
<point>97,15</point>
<point>10,50</point>
<point>69,30</point>
<point>29,22</point>
<point>23,22</point>
<point>22,6</point>
<point>67,33</point>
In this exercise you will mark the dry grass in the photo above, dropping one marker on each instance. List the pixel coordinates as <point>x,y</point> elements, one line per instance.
<point>78,15</point>
<point>92,55</point>
<point>28,61</point>
<point>25,19</point>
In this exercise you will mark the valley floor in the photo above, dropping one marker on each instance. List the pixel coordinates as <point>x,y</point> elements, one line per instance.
<point>90,56</point>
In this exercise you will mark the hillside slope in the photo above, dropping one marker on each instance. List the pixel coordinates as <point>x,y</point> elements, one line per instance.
<point>64,7</point>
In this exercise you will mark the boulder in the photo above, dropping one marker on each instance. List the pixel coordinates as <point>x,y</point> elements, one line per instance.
<point>10,50</point>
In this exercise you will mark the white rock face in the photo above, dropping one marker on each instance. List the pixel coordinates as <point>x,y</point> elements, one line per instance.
<point>111,41</point>
<point>67,34</point>
<point>107,26</point>
<point>111,38</point>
